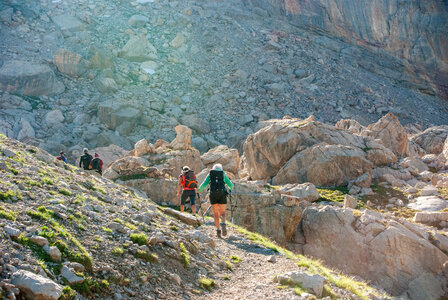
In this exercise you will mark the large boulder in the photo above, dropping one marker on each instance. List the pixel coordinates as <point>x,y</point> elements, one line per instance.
<point>67,22</point>
<point>391,133</point>
<point>113,114</point>
<point>432,139</point>
<point>30,79</point>
<point>325,165</point>
<point>269,150</point>
<point>34,286</point>
<point>69,63</point>
<point>350,125</point>
<point>389,253</point>
<point>138,49</point>
<point>182,141</point>
<point>227,157</point>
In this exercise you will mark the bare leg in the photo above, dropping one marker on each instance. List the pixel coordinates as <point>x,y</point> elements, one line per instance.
<point>182,208</point>
<point>222,212</point>
<point>215,208</point>
<point>193,208</point>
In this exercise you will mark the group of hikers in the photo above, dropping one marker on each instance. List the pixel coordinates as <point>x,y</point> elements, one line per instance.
<point>86,161</point>
<point>217,179</point>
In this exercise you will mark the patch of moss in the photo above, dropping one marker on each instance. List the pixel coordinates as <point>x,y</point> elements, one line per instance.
<point>206,283</point>
<point>235,258</point>
<point>68,293</point>
<point>9,195</point>
<point>139,238</point>
<point>65,192</point>
<point>184,253</point>
<point>7,214</point>
<point>47,180</point>
<point>118,251</point>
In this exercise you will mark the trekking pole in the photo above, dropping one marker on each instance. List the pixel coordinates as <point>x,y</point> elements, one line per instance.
<point>231,206</point>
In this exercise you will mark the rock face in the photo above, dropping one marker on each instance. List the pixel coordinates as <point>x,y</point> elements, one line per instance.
<point>432,139</point>
<point>381,26</point>
<point>293,150</point>
<point>35,286</point>
<point>350,125</point>
<point>183,138</point>
<point>227,157</point>
<point>392,135</point>
<point>69,63</point>
<point>389,253</point>
<point>29,79</point>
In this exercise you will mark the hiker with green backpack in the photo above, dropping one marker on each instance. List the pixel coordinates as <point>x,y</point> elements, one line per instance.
<point>218,179</point>
<point>188,184</point>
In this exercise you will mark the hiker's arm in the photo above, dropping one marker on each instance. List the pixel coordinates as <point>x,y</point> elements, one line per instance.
<point>80,161</point>
<point>228,182</point>
<point>101,164</point>
<point>204,184</point>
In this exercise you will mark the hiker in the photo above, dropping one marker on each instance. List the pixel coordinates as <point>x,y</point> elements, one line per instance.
<point>97,164</point>
<point>188,184</point>
<point>217,179</point>
<point>62,157</point>
<point>85,159</point>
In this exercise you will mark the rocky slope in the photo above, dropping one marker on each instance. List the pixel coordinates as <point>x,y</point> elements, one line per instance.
<point>412,32</point>
<point>93,73</point>
<point>67,234</point>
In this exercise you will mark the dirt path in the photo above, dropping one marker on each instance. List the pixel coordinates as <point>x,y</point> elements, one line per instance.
<point>252,277</point>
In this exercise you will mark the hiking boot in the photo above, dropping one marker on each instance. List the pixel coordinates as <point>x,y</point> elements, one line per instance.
<point>218,233</point>
<point>224,229</point>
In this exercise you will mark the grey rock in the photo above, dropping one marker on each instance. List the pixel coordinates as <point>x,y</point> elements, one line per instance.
<point>8,153</point>
<point>70,276</point>
<point>54,252</point>
<point>194,122</point>
<point>313,283</point>
<point>35,286</point>
<point>39,240</point>
<point>138,49</point>
<point>6,15</point>
<point>54,117</point>
<point>67,22</point>
<point>12,232</point>
<point>427,286</point>
<point>138,21</point>
<point>350,201</point>
<point>106,85</point>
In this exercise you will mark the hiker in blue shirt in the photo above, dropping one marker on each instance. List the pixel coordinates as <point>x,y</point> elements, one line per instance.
<point>62,157</point>
<point>218,179</point>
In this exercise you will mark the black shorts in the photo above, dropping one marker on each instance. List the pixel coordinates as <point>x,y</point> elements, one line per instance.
<point>186,194</point>
<point>218,197</point>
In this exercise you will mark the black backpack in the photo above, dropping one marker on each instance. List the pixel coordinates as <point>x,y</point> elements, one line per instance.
<point>86,159</point>
<point>190,180</point>
<point>96,164</point>
<point>217,181</point>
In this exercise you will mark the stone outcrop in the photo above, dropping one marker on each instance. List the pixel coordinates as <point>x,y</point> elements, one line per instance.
<point>183,138</point>
<point>293,150</point>
<point>69,63</point>
<point>350,125</point>
<point>391,134</point>
<point>27,78</point>
<point>227,157</point>
<point>138,49</point>
<point>432,139</point>
<point>390,253</point>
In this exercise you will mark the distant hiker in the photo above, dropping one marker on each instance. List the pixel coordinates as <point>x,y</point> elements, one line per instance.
<point>62,157</point>
<point>97,164</point>
<point>217,179</point>
<point>85,160</point>
<point>187,182</point>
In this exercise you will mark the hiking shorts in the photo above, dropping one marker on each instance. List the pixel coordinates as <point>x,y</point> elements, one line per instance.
<point>218,197</point>
<point>186,194</point>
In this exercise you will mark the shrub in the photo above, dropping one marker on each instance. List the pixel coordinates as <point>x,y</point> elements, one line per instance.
<point>206,283</point>
<point>184,253</point>
<point>139,238</point>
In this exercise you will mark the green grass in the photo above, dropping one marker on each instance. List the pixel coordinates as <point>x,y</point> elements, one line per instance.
<point>148,256</point>
<point>7,214</point>
<point>131,226</point>
<point>229,265</point>
<point>65,192</point>
<point>139,238</point>
<point>47,180</point>
<point>236,259</point>
<point>359,288</point>
<point>9,195</point>
<point>334,194</point>
<point>108,230</point>
<point>118,251</point>
<point>68,293</point>
<point>206,283</point>
<point>174,228</point>
<point>184,253</point>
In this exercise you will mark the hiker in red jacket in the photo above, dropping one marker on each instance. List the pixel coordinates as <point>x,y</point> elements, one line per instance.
<point>187,182</point>
<point>97,164</point>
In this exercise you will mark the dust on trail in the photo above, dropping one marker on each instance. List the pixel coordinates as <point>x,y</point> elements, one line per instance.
<point>252,278</point>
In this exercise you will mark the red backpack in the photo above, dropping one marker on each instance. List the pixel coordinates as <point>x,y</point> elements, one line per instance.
<point>190,180</point>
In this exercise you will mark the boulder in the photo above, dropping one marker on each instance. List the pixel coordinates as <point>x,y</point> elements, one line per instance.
<point>227,157</point>
<point>70,276</point>
<point>303,192</point>
<point>325,165</point>
<point>53,252</point>
<point>178,40</point>
<point>270,149</point>
<point>138,21</point>
<point>106,85</point>
<point>387,253</point>
<point>350,201</point>
<point>12,231</point>
<point>432,139</point>
<point>430,217</point>
<point>313,283</point>
<point>138,49</point>
<point>113,114</point>
<point>67,22</point>
<point>426,286</point>
<point>428,203</point>
<point>142,148</point>
<point>69,63</point>
<point>30,79</point>
<point>350,125</point>
<point>196,123</point>
<point>54,117</point>
<point>182,141</point>
<point>35,286</point>
<point>39,240</point>
<point>109,154</point>
<point>27,131</point>
<point>391,133</point>
<point>415,163</point>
